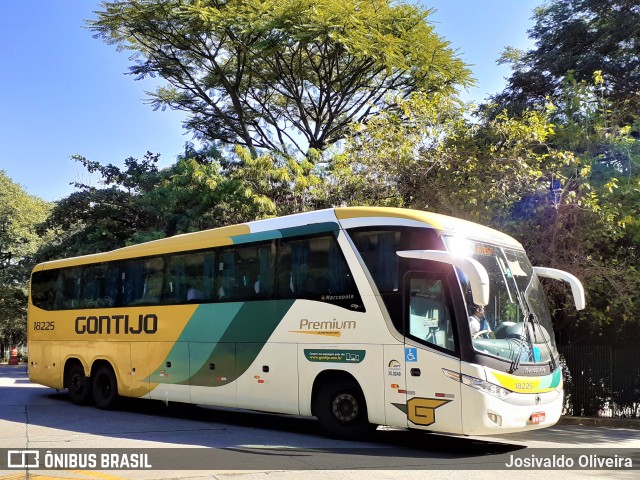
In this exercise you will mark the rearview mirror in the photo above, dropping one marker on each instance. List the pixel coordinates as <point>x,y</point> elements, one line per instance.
<point>478,276</point>
<point>577,289</point>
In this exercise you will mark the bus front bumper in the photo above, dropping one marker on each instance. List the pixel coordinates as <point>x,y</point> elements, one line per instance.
<point>485,414</point>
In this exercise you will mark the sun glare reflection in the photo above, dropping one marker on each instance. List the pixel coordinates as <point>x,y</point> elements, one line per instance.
<point>460,246</point>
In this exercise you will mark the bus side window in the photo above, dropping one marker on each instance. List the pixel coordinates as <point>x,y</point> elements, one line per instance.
<point>226,276</point>
<point>314,268</point>
<point>300,267</point>
<point>99,286</point>
<point>189,278</point>
<point>284,275</point>
<point>264,285</point>
<point>143,281</point>
<point>378,250</point>
<point>245,272</point>
<point>43,289</point>
<point>176,291</point>
<point>153,281</point>
<point>197,283</point>
<point>295,267</point>
<point>69,289</point>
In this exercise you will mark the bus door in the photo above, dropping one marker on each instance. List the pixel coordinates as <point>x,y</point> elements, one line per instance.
<point>433,399</point>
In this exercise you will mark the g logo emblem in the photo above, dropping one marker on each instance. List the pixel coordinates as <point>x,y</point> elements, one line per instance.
<point>422,411</point>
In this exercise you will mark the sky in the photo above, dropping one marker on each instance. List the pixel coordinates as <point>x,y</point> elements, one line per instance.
<point>63,92</point>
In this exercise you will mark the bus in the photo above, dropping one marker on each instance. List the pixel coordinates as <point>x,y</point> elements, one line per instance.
<point>358,316</point>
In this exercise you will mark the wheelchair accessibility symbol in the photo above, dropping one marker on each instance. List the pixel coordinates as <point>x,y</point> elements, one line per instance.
<point>411,354</point>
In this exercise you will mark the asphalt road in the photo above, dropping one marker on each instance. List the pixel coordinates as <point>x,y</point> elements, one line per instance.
<point>225,443</point>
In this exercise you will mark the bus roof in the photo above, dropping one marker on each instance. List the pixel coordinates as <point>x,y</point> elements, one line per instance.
<point>347,217</point>
<point>448,225</point>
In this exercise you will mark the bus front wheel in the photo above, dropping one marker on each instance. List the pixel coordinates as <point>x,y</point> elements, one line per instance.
<point>105,388</point>
<point>79,385</point>
<point>341,410</point>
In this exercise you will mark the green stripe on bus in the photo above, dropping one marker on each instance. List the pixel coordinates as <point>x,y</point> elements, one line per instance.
<point>556,377</point>
<point>287,232</point>
<point>249,331</point>
<point>223,339</point>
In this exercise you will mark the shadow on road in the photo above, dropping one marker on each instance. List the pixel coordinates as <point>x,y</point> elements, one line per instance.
<point>245,440</point>
<point>236,431</point>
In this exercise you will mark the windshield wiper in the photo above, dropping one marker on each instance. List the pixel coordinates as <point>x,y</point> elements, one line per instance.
<point>524,341</point>
<point>530,342</point>
<point>535,321</point>
<point>526,314</point>
<point>533,318</point>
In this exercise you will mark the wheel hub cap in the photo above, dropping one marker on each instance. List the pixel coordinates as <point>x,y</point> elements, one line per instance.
<point>345,408</point>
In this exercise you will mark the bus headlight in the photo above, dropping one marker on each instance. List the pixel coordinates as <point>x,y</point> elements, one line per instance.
<point>478,384</point>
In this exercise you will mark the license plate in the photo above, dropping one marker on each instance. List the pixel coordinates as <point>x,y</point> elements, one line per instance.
<point>537,417</point>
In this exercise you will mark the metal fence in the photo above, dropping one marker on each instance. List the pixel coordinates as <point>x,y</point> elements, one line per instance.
<point>601,380</point>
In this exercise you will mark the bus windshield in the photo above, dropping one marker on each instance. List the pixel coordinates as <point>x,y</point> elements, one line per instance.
<point>516,324</point>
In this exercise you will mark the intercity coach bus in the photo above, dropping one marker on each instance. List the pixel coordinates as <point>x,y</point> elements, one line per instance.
<point>357,316</point>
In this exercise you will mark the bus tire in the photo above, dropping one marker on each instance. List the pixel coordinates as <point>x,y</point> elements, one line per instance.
<point>78,385</point>
<point>341,410</point>
<point>105,388</point>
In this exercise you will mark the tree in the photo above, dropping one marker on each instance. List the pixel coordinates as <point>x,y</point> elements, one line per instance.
<point>281,75</point>
<point>568,191</point>
<point>201,190</point>
<point>13,317</point>
<point>578,37</point>
<point>94,219</point>
<point>593,225</point>
<point>586,65</point>
<point>445,156</point>
<point>19,214</point>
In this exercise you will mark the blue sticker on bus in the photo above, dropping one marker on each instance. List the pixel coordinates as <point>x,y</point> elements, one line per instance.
<point>411,354</point>
<point>537,354</point>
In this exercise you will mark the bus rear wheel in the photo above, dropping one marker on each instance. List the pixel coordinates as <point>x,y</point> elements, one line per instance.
<point>105,388</point>
<point>341,410</point>
<point>79,385</point>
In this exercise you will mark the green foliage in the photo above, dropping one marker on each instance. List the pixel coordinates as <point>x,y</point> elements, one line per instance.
<point>565,181</point>
<point>578,37</point>
<point>585,70</point>
<point>13,316</point>
<point>437,156</point>
<point>96,219</point>
<point>591,228</point>
<point>282,75</point>
<point>201,190</point>
<point>21,212</point>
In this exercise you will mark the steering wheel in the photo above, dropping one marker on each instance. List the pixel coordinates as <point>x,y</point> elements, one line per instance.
<point>489,334</point>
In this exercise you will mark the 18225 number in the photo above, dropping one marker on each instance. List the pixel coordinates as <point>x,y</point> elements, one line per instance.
<point>44,326</point>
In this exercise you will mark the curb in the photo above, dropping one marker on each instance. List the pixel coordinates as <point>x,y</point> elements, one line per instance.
<point>601,422</point>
